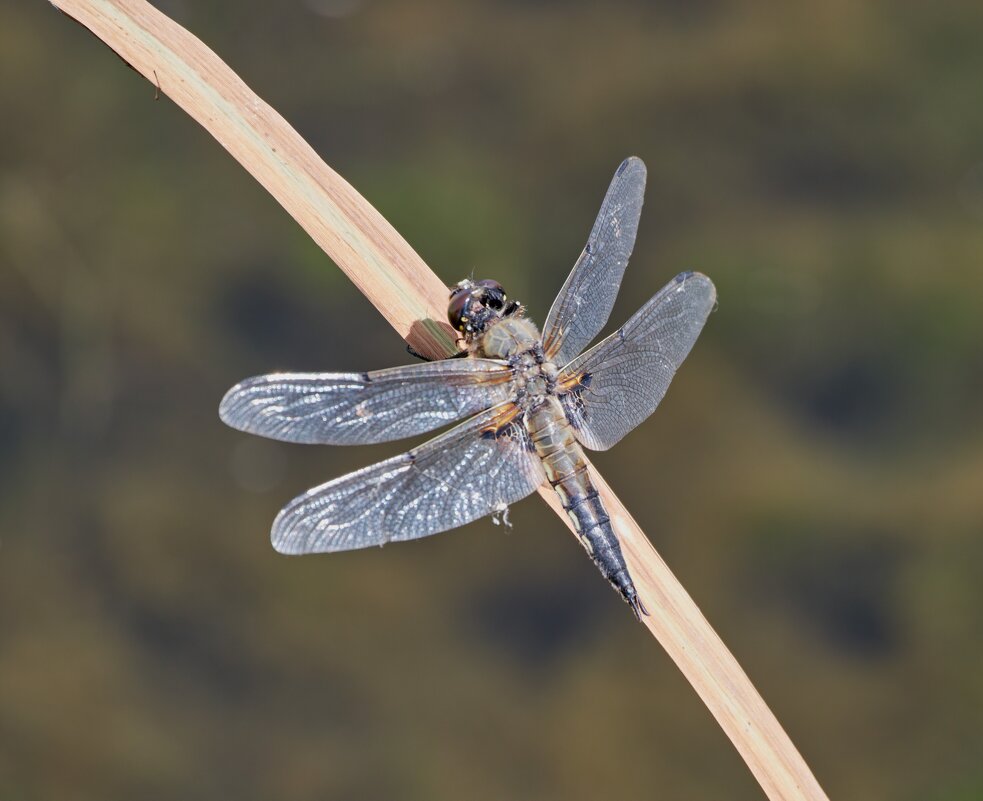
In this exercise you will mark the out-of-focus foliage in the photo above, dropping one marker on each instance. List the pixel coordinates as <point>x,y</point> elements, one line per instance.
<point>815,475</point>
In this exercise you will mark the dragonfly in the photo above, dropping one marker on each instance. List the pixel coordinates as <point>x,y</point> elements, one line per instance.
<point>530,403</point>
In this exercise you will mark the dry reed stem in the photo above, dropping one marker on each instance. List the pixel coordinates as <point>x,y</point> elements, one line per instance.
<point>411,297</point>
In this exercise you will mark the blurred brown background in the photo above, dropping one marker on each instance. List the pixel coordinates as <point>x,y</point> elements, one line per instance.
<point>814,476</point>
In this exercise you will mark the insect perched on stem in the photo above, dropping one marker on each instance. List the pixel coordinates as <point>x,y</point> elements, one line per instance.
<point>532,401</point>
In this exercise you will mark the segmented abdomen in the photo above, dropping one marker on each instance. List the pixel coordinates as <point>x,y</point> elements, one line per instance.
<point>566,470</point>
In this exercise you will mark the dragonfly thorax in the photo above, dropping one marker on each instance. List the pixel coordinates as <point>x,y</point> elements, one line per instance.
<point>506,338</point>
<point>517,340</point>
<point>535,379</point>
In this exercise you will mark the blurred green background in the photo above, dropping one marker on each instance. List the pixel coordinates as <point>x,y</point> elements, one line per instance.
<point>814,477</point>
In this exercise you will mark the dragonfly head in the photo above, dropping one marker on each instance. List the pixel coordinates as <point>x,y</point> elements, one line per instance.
<point>474,305</point>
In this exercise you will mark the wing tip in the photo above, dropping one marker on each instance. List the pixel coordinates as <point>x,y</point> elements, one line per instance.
<point>295,530</point>
<point>230,407</point>
<point>227,406</point>
<point>693,276</point>
<point>283,535</point>
<point>628,163</point>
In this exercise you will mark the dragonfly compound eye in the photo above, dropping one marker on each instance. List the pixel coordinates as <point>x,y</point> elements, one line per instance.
<point>457,310</point>
<point>492,294</point>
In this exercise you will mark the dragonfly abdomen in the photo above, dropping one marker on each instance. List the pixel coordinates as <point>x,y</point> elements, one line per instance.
<point>590,518</point>
<point>566,470</point>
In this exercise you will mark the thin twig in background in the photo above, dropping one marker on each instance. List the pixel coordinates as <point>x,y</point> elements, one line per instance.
<point>413,299</point>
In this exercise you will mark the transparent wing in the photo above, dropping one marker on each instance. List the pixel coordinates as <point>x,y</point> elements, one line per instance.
<point>618,383</point>
<point>474,469</point>
<point>586,299</point>
<point>363,408</point>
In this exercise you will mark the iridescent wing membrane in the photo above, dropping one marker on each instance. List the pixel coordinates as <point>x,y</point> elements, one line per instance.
<point>481,465</point>
<point>618,383</point>
<point>365,408</point>
<point>587,297</point>
<point>476,468</point>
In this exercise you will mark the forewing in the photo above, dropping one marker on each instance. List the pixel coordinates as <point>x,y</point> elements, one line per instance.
<point>363,408</point>
<point>476,468</point>
<point>586,299</point>
<point>618,383</point>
